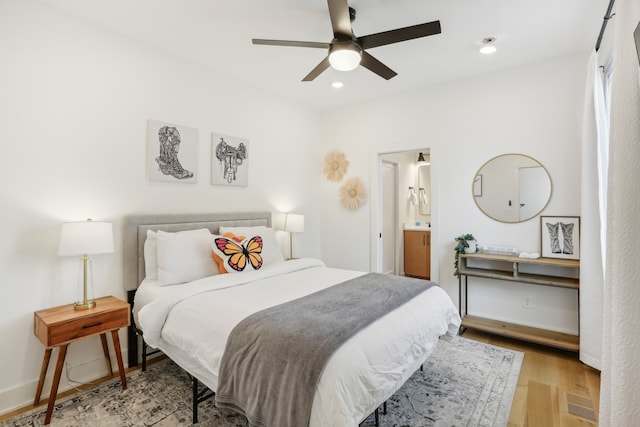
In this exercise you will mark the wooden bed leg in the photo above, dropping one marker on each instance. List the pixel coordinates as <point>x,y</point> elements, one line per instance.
<point>384,408</point>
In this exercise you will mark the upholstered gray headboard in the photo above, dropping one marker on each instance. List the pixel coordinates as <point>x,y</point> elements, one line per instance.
<point>135,233</point>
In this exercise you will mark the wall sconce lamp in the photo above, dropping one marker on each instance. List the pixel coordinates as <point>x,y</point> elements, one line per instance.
<point>84,239</point>
<point>421,158</point>
<point>293,223</point>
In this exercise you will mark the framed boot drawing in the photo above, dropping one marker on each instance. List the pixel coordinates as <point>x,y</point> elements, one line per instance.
<point>560,237</point>
<point>172,152</point>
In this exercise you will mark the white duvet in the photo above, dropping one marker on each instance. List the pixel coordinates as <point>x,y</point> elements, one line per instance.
<point>191,322</point>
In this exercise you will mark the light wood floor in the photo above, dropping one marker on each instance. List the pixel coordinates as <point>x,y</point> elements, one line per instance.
<point>550,382</point>
<point>555,389</point>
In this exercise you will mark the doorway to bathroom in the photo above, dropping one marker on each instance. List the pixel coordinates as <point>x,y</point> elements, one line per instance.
<point>404,201</point>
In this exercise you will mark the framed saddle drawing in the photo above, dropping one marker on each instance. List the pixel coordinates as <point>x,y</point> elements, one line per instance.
<point>560,237</point>
<point>172,152</point>
<point>229,160</point>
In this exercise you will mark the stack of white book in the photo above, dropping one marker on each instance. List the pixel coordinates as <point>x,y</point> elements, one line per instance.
<point>499,250</point>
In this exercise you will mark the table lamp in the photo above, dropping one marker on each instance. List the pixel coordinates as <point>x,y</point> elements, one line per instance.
<point>86,238</point>
<point>293,223</point>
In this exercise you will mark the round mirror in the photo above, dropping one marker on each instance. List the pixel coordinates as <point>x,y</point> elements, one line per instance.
<point>512,188</point>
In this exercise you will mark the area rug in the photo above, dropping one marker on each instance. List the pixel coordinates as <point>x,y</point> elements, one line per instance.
<point>464,383</point>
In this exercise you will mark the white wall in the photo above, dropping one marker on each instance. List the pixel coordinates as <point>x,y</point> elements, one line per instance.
<point>534,110</point>
<point>74,100</point>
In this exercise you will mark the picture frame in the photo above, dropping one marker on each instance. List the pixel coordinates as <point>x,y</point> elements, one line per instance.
<point>560,237</point>
<point>229,160</point>
<point>477,185</point>
<point>172,152</point>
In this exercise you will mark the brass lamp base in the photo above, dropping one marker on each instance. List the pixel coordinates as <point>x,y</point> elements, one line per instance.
<point>84,305</point>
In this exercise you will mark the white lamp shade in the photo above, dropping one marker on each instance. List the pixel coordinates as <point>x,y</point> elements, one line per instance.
<point>86,237</point>
<point>294,223</point>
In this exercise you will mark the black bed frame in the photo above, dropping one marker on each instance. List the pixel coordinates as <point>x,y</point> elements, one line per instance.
<point>200,393</point>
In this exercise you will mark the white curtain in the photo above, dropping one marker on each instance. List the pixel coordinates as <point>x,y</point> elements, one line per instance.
<point>595,143</point>
<point>619,398</point>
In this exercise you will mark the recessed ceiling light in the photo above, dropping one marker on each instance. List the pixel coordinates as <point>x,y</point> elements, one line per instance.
<point>337,85</point>
<point>487,45</point>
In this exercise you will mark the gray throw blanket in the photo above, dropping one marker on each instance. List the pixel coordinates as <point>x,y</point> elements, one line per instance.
<point>274,358</point>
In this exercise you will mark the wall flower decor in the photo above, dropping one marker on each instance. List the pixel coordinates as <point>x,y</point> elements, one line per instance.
<point>335,166</point>
<point>352,194</point>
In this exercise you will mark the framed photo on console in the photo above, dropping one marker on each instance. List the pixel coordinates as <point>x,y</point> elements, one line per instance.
<point>560,237</point>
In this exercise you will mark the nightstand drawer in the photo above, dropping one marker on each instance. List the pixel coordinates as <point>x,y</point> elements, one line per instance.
<point>87,325</point>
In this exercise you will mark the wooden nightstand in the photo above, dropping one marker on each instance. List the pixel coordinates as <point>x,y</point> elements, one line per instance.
<point>60,326</point>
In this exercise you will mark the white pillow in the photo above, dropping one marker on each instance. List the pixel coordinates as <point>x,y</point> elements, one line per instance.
<point>185,256</point>
<point>151,255</point>
<point>271,252</point>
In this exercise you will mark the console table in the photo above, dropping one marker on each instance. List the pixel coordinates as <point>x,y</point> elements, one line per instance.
<point>507,267</point>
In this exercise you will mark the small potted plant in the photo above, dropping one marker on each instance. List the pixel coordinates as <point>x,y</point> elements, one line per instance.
<point>466,244</point>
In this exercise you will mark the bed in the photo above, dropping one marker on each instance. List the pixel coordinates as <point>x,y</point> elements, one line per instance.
<point>191,321</point>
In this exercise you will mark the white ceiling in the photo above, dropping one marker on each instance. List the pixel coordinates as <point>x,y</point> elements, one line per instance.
<point>217,34</point>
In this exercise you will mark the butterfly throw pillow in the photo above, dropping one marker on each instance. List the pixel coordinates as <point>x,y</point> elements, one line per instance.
<point>271,252</point>
<point>235,254</point>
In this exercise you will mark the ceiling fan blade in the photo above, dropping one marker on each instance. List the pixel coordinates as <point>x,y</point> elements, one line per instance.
<point>318,70</point>
<point>371,63</point>
<point>400,35</point>
<point>340,19</point>
<point>291,43</point>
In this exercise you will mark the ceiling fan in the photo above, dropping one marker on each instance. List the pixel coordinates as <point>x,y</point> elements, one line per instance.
<point>346,51</point>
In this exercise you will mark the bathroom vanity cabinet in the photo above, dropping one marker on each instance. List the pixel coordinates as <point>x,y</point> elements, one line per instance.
<point>417,254</point>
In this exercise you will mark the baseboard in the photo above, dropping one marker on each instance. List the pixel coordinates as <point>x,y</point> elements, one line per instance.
<point>569,331</point>
<point>22,396</point>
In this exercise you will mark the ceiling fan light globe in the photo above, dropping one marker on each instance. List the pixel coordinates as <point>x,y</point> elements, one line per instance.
<point>345,57</point>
